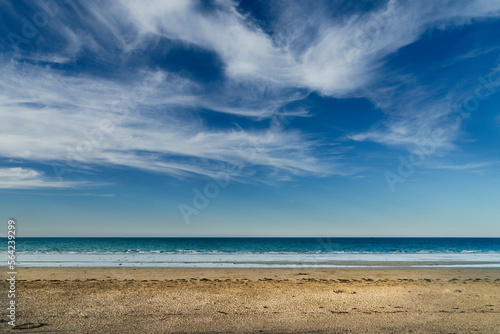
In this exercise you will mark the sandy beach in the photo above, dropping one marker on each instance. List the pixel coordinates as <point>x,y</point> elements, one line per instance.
<point>195,300</point>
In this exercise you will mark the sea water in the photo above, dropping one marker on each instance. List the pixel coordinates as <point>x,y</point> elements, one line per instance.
<point>258,252</point>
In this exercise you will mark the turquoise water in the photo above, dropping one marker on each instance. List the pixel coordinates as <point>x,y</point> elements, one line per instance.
<point>252,252</point>
<point>260,245</point>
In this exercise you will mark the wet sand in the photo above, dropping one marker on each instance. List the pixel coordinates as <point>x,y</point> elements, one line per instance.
<point>176,300</point>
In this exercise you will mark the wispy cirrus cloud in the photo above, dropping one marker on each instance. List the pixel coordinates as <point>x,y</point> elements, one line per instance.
<point>52,102</point>
<point>57,118</point>
<point>465,166</point>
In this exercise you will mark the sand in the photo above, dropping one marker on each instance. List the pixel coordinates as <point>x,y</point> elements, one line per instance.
<point>168,300</point>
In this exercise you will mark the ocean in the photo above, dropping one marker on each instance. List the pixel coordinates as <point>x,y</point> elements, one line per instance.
<point>258,252</point>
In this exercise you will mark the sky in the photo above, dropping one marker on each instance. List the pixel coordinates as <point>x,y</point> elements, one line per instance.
<point>250,118</point>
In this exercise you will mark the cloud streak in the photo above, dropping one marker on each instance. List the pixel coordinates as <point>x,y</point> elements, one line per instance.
<point>27,178</point>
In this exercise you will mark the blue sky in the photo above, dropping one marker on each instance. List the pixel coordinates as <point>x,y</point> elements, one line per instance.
<point>250,118</point>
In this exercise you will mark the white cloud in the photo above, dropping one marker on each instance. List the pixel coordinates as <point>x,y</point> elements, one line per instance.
<point>415,126</point>
<point>459,167</point>
<point>27,178</point>
<point>79,122</point>
<point>341,57</point>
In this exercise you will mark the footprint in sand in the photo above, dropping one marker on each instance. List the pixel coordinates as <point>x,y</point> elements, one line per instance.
<point>29,325</point>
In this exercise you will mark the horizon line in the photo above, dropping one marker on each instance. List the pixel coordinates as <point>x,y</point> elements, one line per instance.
<point>261,237</point>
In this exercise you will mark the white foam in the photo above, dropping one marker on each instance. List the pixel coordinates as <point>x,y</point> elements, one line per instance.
<point>149,259</point>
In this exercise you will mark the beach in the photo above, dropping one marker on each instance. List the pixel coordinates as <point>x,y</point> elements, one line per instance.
<point>256,300</point>
<point>239,166</point>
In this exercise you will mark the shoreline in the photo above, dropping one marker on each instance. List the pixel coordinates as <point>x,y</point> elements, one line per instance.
<point>268,265</point>
<point>32,273</point>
